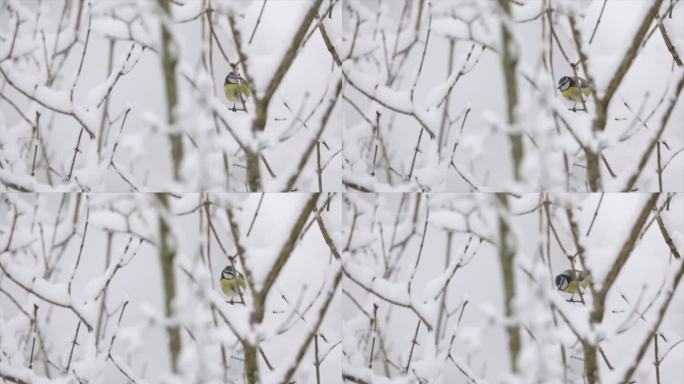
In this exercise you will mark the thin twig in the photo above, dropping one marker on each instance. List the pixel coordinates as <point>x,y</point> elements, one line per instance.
<point>73,344</point>
<point>603,7</point>
<point>414,342</point>
<point>593,219</point>
<point>261,12</point>
<point>256,213</point>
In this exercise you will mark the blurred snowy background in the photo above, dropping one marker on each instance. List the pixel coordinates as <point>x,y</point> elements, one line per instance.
<point>42,45</point>
<point>40,238</point>
<point>445,127</point>
<point>402,250</point>
<point>120,96</point>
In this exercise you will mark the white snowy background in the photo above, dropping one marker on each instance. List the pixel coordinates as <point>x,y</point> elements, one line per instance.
<point>480,341</point>
<point>483,154</point>
<point>143,153</point>
<point>141,339</point>
<point>348,153</point>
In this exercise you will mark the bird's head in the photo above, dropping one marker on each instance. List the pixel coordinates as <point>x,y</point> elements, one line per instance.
<point>228,273</point>
<point>232,78</point>
<point>562,281</point>
<point>565,82</point>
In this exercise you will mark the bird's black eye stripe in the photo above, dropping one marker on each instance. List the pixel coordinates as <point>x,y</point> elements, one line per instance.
<point>562,281</point>
<point>565,82</point>
<point>233,78</point>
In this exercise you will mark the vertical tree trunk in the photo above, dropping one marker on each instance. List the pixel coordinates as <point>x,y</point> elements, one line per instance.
<point>507,261</point>
<point>169,61</point>
<point>509,62</point>
<point>103,303</point>
<point>167,254</point>
<point>591,349</point>
<point>103,120</point>
<point>167,246</point>
<point>253,176</point>
<point>442,306</point>
<point>593,174</point>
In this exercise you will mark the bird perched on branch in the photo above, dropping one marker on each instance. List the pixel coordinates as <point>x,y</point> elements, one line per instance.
<point>236,88</point>
<point>572,88</point>
<point>232,282</point>
<point>572,282</point>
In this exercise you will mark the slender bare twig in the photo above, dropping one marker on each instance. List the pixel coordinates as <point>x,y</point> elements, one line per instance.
<point>261,12</point>
<point>668,42</point>
<point>256,213</point>
<point>593,218</point>
<point>73,345</point>
<point>598,21</point>
<point>414,342</point>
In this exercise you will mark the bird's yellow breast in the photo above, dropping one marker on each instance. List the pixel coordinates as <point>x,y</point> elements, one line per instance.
<point>228,286</point>
<point>573,93</point>
<point>575,285</point>
<point>231,91</point>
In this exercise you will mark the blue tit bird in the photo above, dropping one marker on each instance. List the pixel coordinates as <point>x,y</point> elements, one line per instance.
<point>572,281</point>
<point>573,89</point>
<point>236,88</point>
<point>231,282</point>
